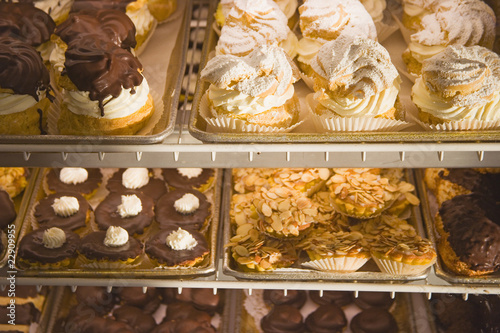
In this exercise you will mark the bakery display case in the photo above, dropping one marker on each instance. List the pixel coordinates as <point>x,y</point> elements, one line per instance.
<point>183,141</point>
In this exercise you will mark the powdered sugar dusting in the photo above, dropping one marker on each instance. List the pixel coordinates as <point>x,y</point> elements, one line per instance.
<point>251,23</point>
<point>326,20</point>
<point>355,66</point>
<point>465,76</point>
<point>266,70</point>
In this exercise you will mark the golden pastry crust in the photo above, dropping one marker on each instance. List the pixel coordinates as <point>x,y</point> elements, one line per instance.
<point>13,180</point>
<point>27,122</point>
<point>162,9</point>
<point>74,124</point>
<point>305,180</point>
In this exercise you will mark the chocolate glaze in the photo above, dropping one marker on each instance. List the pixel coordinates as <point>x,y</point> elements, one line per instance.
<point>78,316</point>
<point>25,314</point>
<point>181,311</point>
<point>106,214</point>
<point>101,68</point>
<point>472,222</point>
<point>283,319</point>
<point>92,247</point>
<point>107,325</point>
<point>184,326</point>
<point>134,296</point>
<point>87,187</point>
<point>167,216</point>
<point>175,179</point>
<point>374,320</point>
<point>201,298</point>
<point>104,24</point>
<point>327,318</point>
<point>340,298</point>
<point>159,250</point>
<point>472,180</point>
<point>140,321</point>
<point>47,218</point>
<point>295,298</point>
<point>165,327</point>
<point>97,298</point>
<point>25,22</point>
<point>31,248</point>
<point>79,5</point>
<point>22,68</point>
<point>7,208</point>
<point>368,299</point>
<point>155,188</point>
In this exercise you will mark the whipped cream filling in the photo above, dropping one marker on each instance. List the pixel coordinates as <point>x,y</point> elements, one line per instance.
<point>73,175</point>
<point>134,178</point>
<point>57,9</point>
<point>190,172</point>
<point>353,107</point>
<point>13,103</point>
<point>53,238</point>
<point>139,14</point>
<point>375,8</point>
<point>240,103</point>
<point>421,52</point>
<point>290,44</point>
<point>187,204</point>
<point>45,50</point>
<point>180,240</point>
<point>288,7</point>
<point>116,236</point>
<point>307,49</point>
<point>446,110</point>
<point>57,57</point>
<point>130,206</point>
<point>413,9</point>
<point>124,105</point>
<point>65,206</point>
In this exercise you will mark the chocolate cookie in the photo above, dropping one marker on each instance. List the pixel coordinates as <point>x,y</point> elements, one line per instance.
<point>47,218</point>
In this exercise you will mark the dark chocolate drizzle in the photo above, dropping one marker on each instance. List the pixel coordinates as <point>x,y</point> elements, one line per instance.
<point>25,22</point>
<point>31,248</point>
<point>22,68</point>
<point>374,320</point>
<point>8,210</point>
<point>92,247</point>
<point>328,318</point>
<point>46,217</point>
<point>283,319</point>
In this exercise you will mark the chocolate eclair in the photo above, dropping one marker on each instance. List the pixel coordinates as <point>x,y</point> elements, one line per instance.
<point>139,180</point>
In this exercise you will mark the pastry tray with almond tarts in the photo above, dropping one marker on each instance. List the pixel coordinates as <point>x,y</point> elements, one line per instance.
<point>146,269</point>
<point>21,202</point>
<point>163,69</point>
<point>429,211</point>
<point>65,299</point>
<point>305,132</point>
<point>369,272</point>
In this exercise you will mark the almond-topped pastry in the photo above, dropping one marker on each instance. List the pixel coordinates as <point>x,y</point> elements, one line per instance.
<point>305,180</point>
<point>255,90</point>
<point>354,77</point>
<point>251,179</point>
<point>284,212</point>
<point>322,21</point>
<point>460,23</point>
<point>13,180</point>
<point>460,83</point>
<point>251,23</point>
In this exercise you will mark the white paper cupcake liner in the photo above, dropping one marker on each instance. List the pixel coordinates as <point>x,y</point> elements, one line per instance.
<point>309,81</point>
<point>398,268</point>
<point>224,124</point>
<point>337,264</point>
<point>329,124</point>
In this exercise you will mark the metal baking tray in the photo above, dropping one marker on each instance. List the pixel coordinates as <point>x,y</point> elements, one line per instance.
<point>65,299</point>
<point>369,272</point>
<point>198,126</point>
<point>170,95</point>
<point>403,311</point>
<point>21,204</point>
<point>429,210</point>
<point>145,269</point>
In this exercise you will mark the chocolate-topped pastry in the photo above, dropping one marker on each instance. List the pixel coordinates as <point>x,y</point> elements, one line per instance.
<point>185,208</point>
<point>184,326</point>
<point>340,298</point>
<point>282,319</point>
<point>137,180</point>
<point>105,248</point>
<point>140,321</point>
<point>202,299</point>
<point>25,314</point>
<point>106,325</point>
<point>8,210</point>
<point>197,178</point>
<point>106,24</point>
<point>374,320</point>
<point>26,23</point>
<point>473,180</point>
<point>65,210</point>
<point>180,311</point>
<point>129,210</point>
<point>470,234</point>
<point>295,298</point>
<point>46,248</point>
<point>79,5</point>
<point>79,180</point>
<point>368,299</point>
<point>174,246</point>
<point>135,296</point>
<point>328,318</point>
<point>97,298</point>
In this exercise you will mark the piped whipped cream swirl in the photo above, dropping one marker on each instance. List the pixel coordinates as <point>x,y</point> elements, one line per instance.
<point>65,206</point>
<point>460,83</point>
<point>53,238</point>
<point>130,206</point>
<point>140,15</point>
<point>116,236</point>
<point>190,172</point>
<point>181,239</point>
<point>13,103</point>
<point>187,204</point>
<point>73,175</point>
<point>134,178</point>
